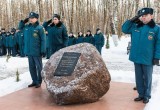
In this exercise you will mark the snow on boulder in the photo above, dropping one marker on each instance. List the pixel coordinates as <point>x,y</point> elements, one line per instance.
<point>76,74</point>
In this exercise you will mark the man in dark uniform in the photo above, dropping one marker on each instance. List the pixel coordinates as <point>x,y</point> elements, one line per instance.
<point>12,43</point>
<point>1,43</point>
<point>20,39</point>
<point>145,50</point>
<point>34,46</point>
<point>99,40</point>
<point>89,37</point>
<point>80,38</point>
<point>7,47</point>
<point>57,34</point>
<point>4,51</point>
<point>72,39</point>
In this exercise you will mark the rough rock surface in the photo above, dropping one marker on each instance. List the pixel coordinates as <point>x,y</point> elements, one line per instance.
<point>88,83</point>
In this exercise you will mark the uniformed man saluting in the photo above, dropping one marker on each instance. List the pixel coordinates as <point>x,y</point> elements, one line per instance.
<point>145,50</point>
<point>57,34</point>
<point>34,46</point>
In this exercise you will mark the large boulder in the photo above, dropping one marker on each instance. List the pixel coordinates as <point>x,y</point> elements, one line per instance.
<point>89,81</point>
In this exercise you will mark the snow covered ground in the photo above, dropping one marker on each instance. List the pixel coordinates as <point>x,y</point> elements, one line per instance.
<point>10,85</point>
<point>116,59</point>
<point>8,71</point>
<point>122,70</point>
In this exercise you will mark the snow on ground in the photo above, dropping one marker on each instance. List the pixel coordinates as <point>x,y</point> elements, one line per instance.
<point>116,59</point>
<point>155,100</point>
<point>10,85</point>
<point>8,69</point>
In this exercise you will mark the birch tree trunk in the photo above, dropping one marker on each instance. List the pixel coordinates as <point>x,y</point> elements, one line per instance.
<point>77,15</point>
<point>56,6</point>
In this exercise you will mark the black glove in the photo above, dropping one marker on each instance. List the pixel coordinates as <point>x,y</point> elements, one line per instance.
<point>64,46</point>
<point>43,54</point>
<point>156,62</point>
<point>49,21</point>
<point>26,20</point>
<point>138,21</point>
<point>135,19</point>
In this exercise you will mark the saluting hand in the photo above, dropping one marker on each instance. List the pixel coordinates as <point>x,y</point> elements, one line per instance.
<point>156,62</point>
<point>49,21</point>
<point>135,19</point>
<point>26,20</point>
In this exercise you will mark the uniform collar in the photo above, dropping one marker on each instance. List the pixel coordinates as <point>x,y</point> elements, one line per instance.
<point>58,25</point>
<point>88,35</point>
<point>80,36</point>
<point>35,24</point>
<point>71,36</point>
<point>3,33</point>
<point>151,24</point>
<point>99,33</point>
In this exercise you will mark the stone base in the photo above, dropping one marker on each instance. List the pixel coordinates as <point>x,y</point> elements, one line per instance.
<point>119,97</point>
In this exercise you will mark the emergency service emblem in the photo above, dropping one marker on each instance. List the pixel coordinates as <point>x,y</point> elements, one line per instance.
<point>150,37</point>
<point>35,34</point>
<point>44,30</point>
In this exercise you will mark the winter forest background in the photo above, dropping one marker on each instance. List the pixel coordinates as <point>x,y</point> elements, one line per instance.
<point>78,15</point>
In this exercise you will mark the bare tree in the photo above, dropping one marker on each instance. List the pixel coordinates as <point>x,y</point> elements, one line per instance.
<point>77,15</point>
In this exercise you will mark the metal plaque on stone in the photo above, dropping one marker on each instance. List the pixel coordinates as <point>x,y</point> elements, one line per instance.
<point>67,64</point>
